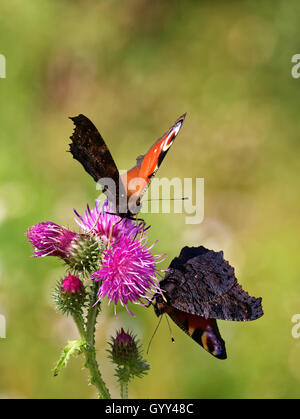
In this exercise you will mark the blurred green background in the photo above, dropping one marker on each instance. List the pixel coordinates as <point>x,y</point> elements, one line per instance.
<point>133,67</point>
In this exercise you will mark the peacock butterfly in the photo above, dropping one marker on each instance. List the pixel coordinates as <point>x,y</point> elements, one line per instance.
<point>200,288</point>
<point>124,191</point>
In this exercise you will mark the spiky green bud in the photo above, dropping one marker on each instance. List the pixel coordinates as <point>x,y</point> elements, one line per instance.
<point>69,295</point>
<point>85,254</point>
<point>126,352</point>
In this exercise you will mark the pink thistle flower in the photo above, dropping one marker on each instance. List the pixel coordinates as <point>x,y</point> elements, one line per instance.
<point>72,284</point>
<point>128,273</point>
<point>105,221</point>
<point>50,239</point>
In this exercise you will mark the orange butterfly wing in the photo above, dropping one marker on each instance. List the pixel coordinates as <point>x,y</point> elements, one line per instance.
<point>137,179</point>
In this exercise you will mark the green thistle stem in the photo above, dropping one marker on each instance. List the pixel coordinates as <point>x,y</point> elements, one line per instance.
<point>91,323</point>
<point>78,319</point>
<point>95,375</point>
<point>124,389</point>
<point>88,335</point>
<point>91,360</point>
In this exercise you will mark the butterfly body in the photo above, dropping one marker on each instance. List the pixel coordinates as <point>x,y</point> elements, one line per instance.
<point>199,288</point>
<point>123,191</point>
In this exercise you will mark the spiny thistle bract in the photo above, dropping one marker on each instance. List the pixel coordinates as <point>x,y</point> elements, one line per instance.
<point>85,254</point>
<point>126,353</point>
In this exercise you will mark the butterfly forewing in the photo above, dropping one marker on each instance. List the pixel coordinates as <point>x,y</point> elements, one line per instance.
<point>89,148</point>
<point>206,285</point>
<point>138,178</point>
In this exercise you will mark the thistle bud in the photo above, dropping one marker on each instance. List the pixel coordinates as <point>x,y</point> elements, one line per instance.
<point>85,254</point>
<point>69,295</point>
<point>126,352</point>
<point>123,348</point>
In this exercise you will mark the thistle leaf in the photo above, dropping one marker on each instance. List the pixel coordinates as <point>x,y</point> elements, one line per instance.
<point>74,347</point>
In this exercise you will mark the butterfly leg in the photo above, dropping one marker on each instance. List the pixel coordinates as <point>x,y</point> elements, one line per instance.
<point>143,227</point>
<point>96,222</point>
<point>150,303</point>
<point>137,226</point>
<point>111,231</point>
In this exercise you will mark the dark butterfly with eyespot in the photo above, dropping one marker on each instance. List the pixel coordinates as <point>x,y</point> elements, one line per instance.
<point>200,288</point>
<point>126,190</point>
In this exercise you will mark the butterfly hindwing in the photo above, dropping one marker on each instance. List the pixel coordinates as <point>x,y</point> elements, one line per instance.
<point>203,331</point>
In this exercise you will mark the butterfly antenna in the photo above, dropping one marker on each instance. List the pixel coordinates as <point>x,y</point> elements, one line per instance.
<point>159,321</point>
<point>172,338</point>
<point>167,199</point>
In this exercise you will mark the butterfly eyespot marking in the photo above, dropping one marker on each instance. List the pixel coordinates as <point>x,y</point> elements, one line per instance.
<point>204,341</point>
<point>167,144</point>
